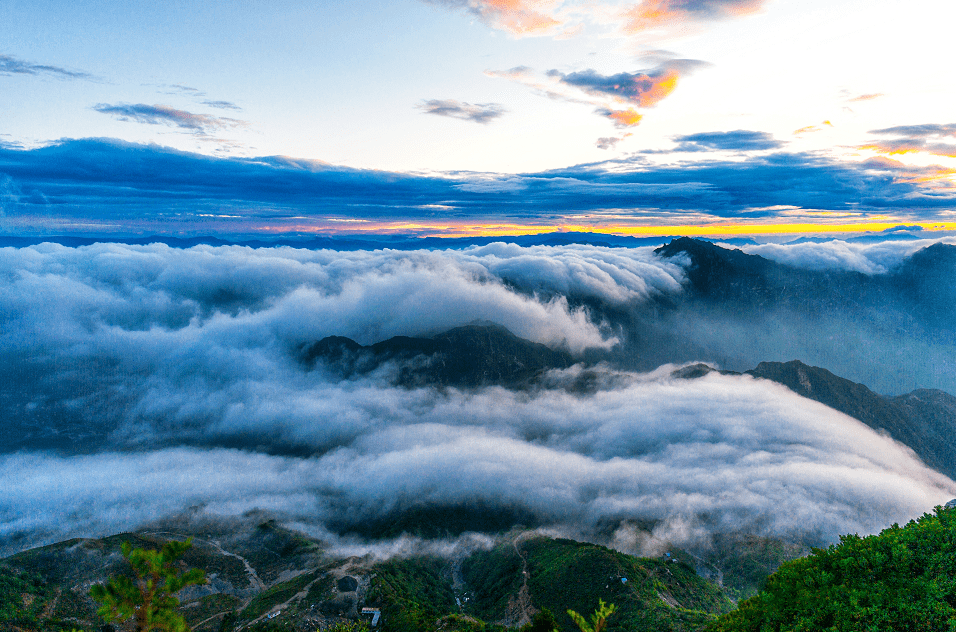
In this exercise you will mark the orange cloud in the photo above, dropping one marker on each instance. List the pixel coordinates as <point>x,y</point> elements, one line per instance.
<point>812,128</point>
<point>640,88</point>
<point>899,146</point>
<point>623,118</point>
<point>655,13</point>
<point>518,17</point>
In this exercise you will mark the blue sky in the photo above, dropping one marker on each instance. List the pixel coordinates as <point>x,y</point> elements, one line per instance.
<point>700,112</point>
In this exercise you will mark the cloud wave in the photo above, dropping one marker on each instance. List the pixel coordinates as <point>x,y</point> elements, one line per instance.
<point>140,381</point>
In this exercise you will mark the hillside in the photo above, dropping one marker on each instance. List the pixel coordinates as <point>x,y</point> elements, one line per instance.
<point>901,579</point>
<point>264,577</point>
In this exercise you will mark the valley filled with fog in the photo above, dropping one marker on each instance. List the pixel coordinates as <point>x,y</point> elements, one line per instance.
<point>141,382</point>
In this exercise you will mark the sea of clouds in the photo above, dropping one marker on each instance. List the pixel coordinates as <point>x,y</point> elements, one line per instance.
<point>140,381</point>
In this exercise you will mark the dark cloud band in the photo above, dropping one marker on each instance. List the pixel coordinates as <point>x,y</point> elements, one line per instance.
<point>122,182</point>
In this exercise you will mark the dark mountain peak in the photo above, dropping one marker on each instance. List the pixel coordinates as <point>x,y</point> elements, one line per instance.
<point>727,274</point>
<point>938,254</point>
<point>928,280</point>
<point>477,354</point>
<point>938,262</point>
<point>486,331</point>
<point>694,371</point>
<point>705,253</point>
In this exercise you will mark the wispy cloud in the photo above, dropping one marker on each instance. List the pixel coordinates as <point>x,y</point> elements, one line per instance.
<point>479,112</point>
<point>651,14</point>
<point>919,131</point>
<point>866,97</point>
<point>518,17</point>
<point>12,66</point>
<point>738,140</point>
<point>166,115</point>
<point>609,142</point>
<point>930,138</point>
<point>222,105</point>
<point>563,19</point>
<point>177,88</point>
<point>812,128</point>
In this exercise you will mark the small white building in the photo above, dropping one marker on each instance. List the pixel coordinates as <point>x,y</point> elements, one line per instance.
<point>374,613</point>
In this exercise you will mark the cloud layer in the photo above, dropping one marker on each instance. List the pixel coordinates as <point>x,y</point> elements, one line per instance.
<point>128,186</point>
<point>165,379</point>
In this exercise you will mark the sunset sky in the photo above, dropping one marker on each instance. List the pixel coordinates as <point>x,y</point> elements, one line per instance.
<point>475,116</point>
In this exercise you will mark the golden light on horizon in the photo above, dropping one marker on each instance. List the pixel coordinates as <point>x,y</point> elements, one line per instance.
<point>451,229</point>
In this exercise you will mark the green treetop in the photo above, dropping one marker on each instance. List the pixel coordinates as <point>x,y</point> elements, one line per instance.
<point>148,601</point>
<point>902,579</point>
<point>598,619</point>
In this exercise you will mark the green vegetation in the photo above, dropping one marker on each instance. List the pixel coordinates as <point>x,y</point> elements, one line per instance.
<point>902,579</point>
<point>23,597</point>
<point>278,594</point>
<point>348,626</point>
<point>148,600</point>
<point>747,560</point>
<point>413,593</point>
<point>460,623</point>
<point>543,621</point>
<point>209,607</point>
<point>598,619</point>
<point>272,549</point>
<point>494,576</point>
<point>658,596</point>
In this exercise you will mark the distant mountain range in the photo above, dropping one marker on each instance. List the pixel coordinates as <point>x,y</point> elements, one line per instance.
<point>346,243</point>
<point>922,285</point>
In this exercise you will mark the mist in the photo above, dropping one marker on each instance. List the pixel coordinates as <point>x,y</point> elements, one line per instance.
<point>141,381</point>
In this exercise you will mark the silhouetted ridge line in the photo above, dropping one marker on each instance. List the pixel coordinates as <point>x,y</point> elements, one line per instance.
<point>468,356</point>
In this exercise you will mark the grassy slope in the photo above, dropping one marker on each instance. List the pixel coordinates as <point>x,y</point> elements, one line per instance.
<point>658,595</point>
<point>412,593</point>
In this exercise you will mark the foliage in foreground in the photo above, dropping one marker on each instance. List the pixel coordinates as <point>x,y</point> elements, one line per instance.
<point>902,579</point>
<point>148,600</point>
<point>598,620</point>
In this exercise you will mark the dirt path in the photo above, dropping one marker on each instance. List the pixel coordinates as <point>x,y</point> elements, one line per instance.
<point>208,619</point>
<point>282,606</point>
<point>254,580</point>
<point>520,609</point>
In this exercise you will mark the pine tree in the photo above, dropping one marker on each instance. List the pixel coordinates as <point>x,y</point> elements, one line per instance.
<point>148,601</point>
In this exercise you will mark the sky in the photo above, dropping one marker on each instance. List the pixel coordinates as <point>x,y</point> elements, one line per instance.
<point>175,369</point>
<point>462,117</point>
